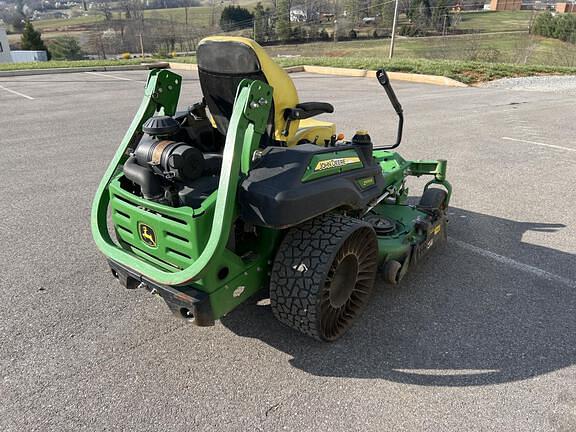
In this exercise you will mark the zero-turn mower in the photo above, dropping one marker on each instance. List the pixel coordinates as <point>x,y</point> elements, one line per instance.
<point>246,190</point>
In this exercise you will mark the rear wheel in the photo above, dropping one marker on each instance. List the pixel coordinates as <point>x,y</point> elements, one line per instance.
<point>323,275</point>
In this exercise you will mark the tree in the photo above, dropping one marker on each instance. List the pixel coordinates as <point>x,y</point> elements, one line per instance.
<point>283,30</point>
<point>31,39</point>
<point>544,25</point>
<point>419,11</point>
<point>105,10</point>
<point>65,48</point>
<point>440,17</point>
<point>352,9</point>
<point>235,17</point>
<point>259,22</point>
<point>387,13</point>
<point>565,28</point>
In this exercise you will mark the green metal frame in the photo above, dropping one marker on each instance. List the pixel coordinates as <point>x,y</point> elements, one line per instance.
<point>247,124</point>
<point>191,243</point>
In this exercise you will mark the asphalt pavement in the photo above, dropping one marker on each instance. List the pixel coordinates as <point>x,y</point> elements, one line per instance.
<point>481,336</point>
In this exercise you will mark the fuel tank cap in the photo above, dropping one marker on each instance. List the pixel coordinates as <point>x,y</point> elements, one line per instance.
<point>161,125</point>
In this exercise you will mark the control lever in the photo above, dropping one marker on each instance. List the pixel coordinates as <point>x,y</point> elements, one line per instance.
<point>385,82</point>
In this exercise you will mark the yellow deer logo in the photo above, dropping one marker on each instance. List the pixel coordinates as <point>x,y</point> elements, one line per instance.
<point>147,234</point>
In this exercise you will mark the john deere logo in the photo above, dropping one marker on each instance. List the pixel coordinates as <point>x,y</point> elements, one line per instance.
<point>336,163</point>
<point>147,235</point>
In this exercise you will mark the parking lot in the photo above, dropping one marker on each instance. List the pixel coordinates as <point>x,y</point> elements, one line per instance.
<point>480,336</point>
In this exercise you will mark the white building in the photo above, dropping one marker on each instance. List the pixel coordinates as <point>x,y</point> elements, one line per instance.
<point>29,56</point>
<point>5,56</point>
<point>298,14</point>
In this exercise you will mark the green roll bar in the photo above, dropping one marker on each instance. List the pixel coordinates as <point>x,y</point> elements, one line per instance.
<point>247,124</point>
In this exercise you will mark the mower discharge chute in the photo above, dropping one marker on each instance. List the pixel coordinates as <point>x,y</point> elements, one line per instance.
<point>246,190</point>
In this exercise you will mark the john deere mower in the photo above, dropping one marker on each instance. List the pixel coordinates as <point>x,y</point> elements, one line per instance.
<point>245,191</point>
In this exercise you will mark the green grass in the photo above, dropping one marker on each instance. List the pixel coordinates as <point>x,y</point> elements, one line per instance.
<point>469,72</point>
<point>198,16</point>
<point>507,48</point>
<point>64,24</point>
<point>495,21</point>
<point>68,64</point>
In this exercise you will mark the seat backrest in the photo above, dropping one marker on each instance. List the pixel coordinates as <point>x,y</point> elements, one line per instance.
<point>225,61</point>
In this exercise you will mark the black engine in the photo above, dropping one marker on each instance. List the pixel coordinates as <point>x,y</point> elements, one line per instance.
<point>178,159</point>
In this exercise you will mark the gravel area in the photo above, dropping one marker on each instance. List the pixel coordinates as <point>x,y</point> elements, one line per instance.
<point>564,84</point>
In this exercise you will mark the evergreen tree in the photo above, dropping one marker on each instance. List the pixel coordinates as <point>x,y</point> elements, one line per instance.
<point>565,27</point>
<point>544,25</point>
<point>31,39</point>
<point>235,17</point>
<point>65,48</point>
<point>283,30</point>
<point>259,24</point>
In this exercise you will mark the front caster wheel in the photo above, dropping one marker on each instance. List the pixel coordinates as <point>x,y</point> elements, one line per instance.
<point>392,272</point>
<point>323,275</point>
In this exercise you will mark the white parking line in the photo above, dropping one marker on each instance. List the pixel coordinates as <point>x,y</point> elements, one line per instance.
<point>115,77</point>
<point>109,76</point>
<point>515,264</point>
<point>17,93</point>
<point>540,144</point>
<point>449,372</point>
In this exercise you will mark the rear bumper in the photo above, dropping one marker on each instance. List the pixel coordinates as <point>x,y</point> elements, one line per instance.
<point>184,302</point>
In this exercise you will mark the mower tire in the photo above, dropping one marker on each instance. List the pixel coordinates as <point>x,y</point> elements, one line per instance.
<point>323,275</point>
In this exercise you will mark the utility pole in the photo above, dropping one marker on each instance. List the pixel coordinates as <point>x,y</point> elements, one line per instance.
<point>335,35</point>
<point>335,30</point>
<point>393,30</point>
<point>142,46</point>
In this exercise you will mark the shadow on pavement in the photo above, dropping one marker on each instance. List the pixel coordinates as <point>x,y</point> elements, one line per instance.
<point>459,318</point>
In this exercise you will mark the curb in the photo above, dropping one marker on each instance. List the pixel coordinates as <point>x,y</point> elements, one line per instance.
<point>396,76</point>
<point>194,67</point>
<point>323,70</point>
<point>183,66</point>
<point>161,65</point>
<point>347,72</point>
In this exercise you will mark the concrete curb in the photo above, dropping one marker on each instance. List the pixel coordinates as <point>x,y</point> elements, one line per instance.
<point>326,70</point>
<point>294,69</point>
<point>161,65</point>
<point>183,66</point>
<point>194,67</point>
<point>322,70</point>
<point>396,76</point>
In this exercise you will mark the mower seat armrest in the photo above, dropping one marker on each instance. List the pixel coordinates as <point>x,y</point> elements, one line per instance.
<point>308,109</point>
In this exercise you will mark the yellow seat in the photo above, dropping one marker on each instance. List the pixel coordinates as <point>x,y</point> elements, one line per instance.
<point>223,62</point>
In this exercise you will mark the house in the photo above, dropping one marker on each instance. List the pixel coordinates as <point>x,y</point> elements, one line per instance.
<point>565,7</point>
<point>302,14</point>
<point>298,14</point>
<point>368,20</point>
<point>505,5</point>
<point>5,56</point>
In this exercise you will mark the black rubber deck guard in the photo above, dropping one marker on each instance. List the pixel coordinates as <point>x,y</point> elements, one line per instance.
<point>184,302</point>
